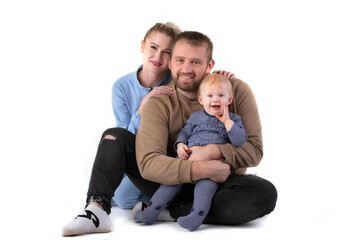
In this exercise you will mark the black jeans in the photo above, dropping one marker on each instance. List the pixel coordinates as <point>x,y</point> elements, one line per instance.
<point>240,199</point>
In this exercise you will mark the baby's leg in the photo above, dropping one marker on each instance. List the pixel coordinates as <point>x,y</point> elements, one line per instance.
<point>203,193</point>
<point>161,199</point>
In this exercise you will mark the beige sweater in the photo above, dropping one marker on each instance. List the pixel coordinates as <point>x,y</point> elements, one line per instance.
<point>164,116</point>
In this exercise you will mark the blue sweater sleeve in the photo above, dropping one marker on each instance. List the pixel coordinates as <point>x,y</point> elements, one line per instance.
<point>237,133</point>
<point>123,116</point>
<point>127,94</point>
<point>184,134</point>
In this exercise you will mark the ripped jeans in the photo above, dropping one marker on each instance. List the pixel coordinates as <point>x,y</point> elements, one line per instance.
<point>115,156</point>
<point>240,199</point>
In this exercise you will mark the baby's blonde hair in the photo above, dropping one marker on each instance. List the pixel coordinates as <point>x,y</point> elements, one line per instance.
<point>215,80</point>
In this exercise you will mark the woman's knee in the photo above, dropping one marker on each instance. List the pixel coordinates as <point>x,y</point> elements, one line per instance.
<point>116,133</point>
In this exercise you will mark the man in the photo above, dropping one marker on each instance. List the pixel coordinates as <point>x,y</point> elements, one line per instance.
<point>240,198</point>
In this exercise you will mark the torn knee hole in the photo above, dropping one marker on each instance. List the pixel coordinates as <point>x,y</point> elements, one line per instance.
<point>110,137</point>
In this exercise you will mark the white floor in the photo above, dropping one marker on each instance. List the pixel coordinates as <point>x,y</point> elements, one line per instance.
<point>286,222</point>
<point>309,209</point>
<point>125,226</point>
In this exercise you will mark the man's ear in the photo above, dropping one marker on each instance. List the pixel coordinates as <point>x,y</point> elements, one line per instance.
<point>230,100</point>
<point>142,46</point>
<point>169,65</point>
<point>210,66</point>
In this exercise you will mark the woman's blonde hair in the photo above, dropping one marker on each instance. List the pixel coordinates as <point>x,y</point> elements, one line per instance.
<point>169,29</point>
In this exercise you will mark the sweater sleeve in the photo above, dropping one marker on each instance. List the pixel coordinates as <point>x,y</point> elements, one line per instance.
<point>185,133</point>
<point>237,134</point>
<point>151,146</point>
<point>123,116</point>
<point>251,152</point>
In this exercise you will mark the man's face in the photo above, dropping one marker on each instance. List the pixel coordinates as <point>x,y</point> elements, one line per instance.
<point>189,66</point>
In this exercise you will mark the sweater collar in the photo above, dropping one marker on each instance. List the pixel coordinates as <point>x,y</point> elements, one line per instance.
<point>162,80</point>
<point>207,114</point>
<point>182,97</point>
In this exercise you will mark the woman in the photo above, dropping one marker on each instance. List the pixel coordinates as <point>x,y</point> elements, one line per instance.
<point>131,92</point>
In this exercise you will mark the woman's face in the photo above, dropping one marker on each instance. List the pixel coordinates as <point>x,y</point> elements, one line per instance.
<point>156,52</point>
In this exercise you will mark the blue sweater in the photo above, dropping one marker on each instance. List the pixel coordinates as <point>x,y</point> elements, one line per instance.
<point>202,129</point>
<point>127,94</point>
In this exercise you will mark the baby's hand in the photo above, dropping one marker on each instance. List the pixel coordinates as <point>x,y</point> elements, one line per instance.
<point>183,151</point>
<point>225,118</point>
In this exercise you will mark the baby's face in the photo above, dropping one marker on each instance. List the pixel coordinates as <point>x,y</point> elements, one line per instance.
<point>214,99</point>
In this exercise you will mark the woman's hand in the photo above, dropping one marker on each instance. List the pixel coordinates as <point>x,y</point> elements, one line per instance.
<point>156,91</point>
<point>224,73</point>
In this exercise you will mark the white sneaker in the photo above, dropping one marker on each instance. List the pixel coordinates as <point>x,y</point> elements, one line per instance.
<point>90,220</point>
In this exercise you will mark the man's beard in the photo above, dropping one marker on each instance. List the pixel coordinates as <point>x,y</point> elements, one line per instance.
<point>190,86</point>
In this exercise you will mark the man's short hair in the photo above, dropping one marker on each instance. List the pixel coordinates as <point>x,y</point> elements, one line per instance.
<point>195,39</point>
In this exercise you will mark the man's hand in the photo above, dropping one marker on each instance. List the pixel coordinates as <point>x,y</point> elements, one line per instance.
<point>207,152</point>
<point>215,170</point>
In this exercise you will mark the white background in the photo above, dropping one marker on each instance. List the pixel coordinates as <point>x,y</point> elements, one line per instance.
<point>59,59</point>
